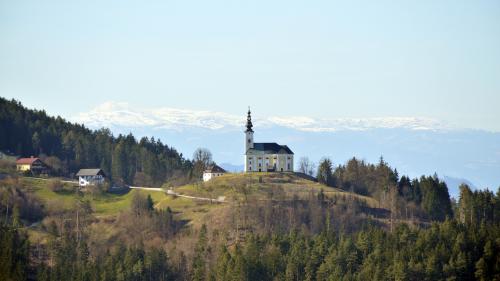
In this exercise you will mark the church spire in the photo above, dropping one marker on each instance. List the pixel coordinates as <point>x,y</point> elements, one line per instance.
<point>249,121</point>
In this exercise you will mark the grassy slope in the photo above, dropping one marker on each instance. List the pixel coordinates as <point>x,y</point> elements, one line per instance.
<point>258,185</point>
<point>231,186</point>
<point>103,204</point>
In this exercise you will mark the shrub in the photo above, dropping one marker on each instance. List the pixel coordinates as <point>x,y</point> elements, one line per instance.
<point>7,166</point>
<point>55,185</point>
<point>94,190</point>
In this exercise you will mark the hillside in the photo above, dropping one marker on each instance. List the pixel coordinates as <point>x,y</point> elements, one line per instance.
<point>67,147</point>
<point>233,188</point>
<point>250,190</point>
<point>253,203</point>
<point>266,221</point>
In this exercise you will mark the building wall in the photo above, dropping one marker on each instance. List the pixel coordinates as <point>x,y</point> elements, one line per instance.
<point>90,180</point>
<point>264,162</point>
<point>23,167</point>
<point>209,176</point>
<point>248,140</point>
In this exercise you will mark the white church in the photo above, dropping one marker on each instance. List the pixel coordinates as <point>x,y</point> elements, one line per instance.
<point>265,156</point>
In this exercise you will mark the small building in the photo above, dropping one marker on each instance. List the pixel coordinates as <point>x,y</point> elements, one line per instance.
<point>90,177</point>
<point>33,164</point>
<point>212,172</point>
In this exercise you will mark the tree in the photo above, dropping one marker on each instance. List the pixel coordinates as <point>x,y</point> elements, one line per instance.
<point>203,156</point>
<point>199,263</point>
<point>222,264</point>
<point>325,174</point>
<point>13,254</point>
<point>150,203</point>
<point>141,204</point>
<point>435,198</point>
<point>55,164</point>
<point>306,166</point>
<point>465,204</point>
<point>36,142</point>
<point>119,164</point>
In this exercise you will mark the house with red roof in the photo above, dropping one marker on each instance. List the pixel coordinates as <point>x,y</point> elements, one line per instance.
<point>33,164</point>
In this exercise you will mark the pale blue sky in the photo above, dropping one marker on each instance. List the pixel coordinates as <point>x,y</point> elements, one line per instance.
<point>436,58</point>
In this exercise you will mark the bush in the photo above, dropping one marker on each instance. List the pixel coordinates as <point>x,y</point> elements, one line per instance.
<point>94,190</point>
<point>7,166</point>
<point>106,186</point>
<point>56,185</point>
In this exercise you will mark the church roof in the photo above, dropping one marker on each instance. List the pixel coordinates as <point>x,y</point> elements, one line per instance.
<point>271,148</point>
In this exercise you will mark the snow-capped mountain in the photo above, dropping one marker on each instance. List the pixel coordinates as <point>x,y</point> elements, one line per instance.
<point>414,145</point>
<point>118,114</point>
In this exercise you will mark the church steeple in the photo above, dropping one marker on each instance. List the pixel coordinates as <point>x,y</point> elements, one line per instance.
<point>249,132</point>
<point>249,121</point>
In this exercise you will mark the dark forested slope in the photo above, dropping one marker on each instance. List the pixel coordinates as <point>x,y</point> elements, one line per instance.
<point>67,147</point>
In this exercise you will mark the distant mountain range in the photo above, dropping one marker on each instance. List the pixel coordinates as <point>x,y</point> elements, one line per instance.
<point>413,145</point>
<point>115,114</point>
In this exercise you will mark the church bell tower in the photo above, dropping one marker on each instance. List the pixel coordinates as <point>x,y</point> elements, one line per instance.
<point>249,132</point>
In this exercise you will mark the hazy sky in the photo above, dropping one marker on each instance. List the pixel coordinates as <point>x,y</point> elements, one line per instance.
<point>436,58</point>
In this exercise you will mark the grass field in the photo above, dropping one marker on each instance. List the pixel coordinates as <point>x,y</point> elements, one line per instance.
<point>103,204</point>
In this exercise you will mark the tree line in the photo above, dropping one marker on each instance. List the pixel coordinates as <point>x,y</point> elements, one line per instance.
<point>425,197</point>
<point>67,147</point>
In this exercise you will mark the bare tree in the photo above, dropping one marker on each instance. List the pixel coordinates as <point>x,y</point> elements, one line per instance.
<point>203,156</point>
<point>306,166</point>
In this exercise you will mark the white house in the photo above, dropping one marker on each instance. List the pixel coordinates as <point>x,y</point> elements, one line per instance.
<point>212,172</point>
<point>90,177</point>
<point>265,156</point>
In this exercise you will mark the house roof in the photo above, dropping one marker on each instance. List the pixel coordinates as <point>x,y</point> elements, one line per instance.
<point>27,161</point>
<point>271,148</point>
<point>89,172</point>
<point>214,169</point>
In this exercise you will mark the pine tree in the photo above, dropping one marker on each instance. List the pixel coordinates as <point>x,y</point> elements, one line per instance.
<point>199,263</point>
<point>325,174</point>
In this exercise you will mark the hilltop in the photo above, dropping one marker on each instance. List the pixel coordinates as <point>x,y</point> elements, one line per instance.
<point>258,185</point>
<point>255,189</point>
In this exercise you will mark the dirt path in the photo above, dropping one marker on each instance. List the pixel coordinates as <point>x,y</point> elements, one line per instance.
<point>47,179</point>
<point>220,199</point>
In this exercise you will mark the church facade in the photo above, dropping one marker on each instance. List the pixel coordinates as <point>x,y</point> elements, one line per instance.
<point>265,156</point>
